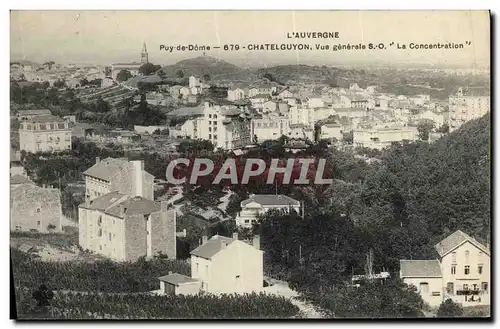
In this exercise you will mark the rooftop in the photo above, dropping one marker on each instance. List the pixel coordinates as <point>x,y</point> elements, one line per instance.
<point>18,179</point>
<point>177,279</point>
<point>114,202</point>
<point>106,168</point>
<point>420,269</point>
<point>271,200</point>
<point>212,246</point>
<point>456,239</point>
<point>45,119</point>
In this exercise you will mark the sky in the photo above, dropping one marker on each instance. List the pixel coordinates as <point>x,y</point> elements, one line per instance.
<point>106,37</point>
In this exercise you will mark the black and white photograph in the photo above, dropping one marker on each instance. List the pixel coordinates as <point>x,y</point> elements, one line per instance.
<point>250,164</point>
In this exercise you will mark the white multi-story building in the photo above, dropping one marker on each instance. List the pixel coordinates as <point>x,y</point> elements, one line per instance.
<point>226,126</point>
<point>46,133</point>
<point>383,137</point>
<point>270,127</point>
<point>259,204</point>
<point>468,104</point>
<point>461,272</point>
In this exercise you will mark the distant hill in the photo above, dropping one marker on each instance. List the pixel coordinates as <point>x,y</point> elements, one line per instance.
<point>202,65</point>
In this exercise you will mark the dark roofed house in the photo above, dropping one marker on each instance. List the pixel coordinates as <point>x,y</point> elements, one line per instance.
<point>420,269</point>
<point>455,240</point>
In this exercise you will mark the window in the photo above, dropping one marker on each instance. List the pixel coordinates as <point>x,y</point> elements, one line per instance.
<point>100,247</point>
<point>453,257</point>
<point>61,125</point>
<point>484,286</point>
<point>197,267</point>
<point>466,286</point>
<point>52,127</point>
<point>210,129</point>
<point>210,116</point>
<point>475,287</point>
<point>215,136</point>
<point>449,288</point>
<point>453,269</point>
<point>206,270</point>
<point>247,221</point>
<point>38,223</point>
<point>467,270</point>
<point>43,127</point>
<point>424,287</point>
<point>215,116</point>
<point>467,256</point>
<point>480,269</point>
<point>99,233</point>
<point>18,227</point>
<point>109,236</point>
<point>38,210</point>
<point>99,221</point>
<point>209,136</point>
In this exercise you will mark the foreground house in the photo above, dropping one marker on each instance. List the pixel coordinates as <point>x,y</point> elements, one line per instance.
<point>461,273</point>
<point>220,265</point>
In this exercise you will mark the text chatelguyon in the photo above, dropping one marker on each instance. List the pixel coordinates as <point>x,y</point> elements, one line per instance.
<point>299,171</point>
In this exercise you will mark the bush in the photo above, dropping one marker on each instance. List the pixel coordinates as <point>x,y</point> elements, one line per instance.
<point>142,306</point>
<point>449,309</point>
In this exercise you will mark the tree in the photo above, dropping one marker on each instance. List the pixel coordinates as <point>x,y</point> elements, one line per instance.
<point>162,74</point>
<point>123,75</point>
<point>449,309</point>
<point>179,73</point>
<point>444,129</point>
<point>107,71</point>
<point>348,137</point>
<point>424,128</point>
<point>206,77</point>
<point>60,83</point>
<point>149,68</point>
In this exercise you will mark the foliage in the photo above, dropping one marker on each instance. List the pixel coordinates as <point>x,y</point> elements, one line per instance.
<point>444,129</point>
<point>141,306</point>
<point>102,276</point>
<point>373,300</point>
<point>60,83</point>
<point>149,68</point>
<point>123,75</point>
<point>190,147</point>
<point>348,137</point>
<point>449,309</point>
<point>179,74</point>
<point>424,128</point>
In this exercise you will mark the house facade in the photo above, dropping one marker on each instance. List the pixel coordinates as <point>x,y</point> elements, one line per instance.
<point>461,272</point>
<point>125,228</point>
<point>34,208</point>
<point>46,133</point>
<point>468,104</point>
<point>258,205</point>
<point>228,265</point>
<point>127,177</point>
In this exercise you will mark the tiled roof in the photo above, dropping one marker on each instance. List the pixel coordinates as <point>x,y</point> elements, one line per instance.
<point>212,246</point>
<point>420,269</point>
<point>106,168</point>
<point>270,200</point>
<point>135,206</point>
<point>46,118</point>
<point>456,239</point>
<point>176,279</point>
<point>34,112</point>
<point>112,203</point>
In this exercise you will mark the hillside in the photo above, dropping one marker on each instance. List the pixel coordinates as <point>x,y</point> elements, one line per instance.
<point>424,192</point>
<point>202,65</point>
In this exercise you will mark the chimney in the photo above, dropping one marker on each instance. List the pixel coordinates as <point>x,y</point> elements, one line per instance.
<point>256,241</point>
<point>97,160</point>
<point>204,239</point>
<point>138,166</point>
<point>235,236</point>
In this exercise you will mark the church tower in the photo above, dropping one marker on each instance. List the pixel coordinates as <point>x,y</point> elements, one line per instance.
<point>144,54</point>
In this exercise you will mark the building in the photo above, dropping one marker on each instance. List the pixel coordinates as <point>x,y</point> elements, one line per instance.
<point>126,177</point>
<point>259,204</point>
<point>269,128</point>
<point>461,272</point>
<point>234,94</point>
<point>34,208</point>
<point>331,130</point>
<point>226,126</point>
<point>133,68</point>
<point>125,228</point>
<point>228,265</point>
<point>16,167</point>
<point>30,114</point>
<point>46,133</point>
<point>179,284</point>
<point>383,137</point>
<point>468,104</point>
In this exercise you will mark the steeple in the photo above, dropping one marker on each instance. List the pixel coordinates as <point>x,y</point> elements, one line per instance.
<point>144,54</point>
